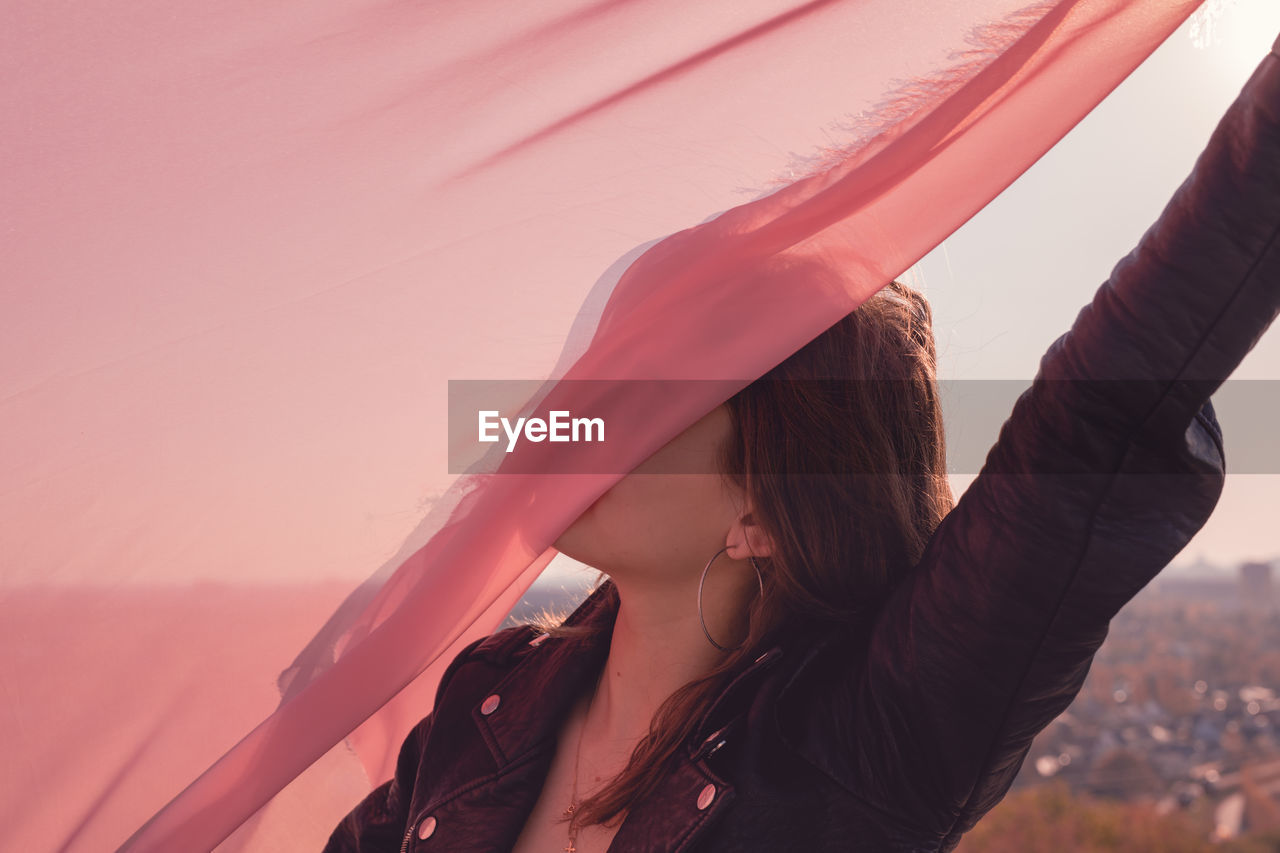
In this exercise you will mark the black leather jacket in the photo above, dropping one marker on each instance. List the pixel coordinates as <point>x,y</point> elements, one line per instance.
<point>902,740</point>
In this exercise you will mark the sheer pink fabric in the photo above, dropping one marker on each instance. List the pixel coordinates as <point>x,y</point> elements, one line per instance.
<point>245,247</point>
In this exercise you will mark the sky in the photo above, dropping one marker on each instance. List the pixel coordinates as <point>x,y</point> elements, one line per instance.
<point>1012,279</point>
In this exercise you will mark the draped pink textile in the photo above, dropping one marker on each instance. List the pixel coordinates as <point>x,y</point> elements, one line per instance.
<point>245,247</point>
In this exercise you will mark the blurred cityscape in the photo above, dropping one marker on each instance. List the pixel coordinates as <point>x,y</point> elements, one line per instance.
<point>1172,744</point>
<point>1179,713</point>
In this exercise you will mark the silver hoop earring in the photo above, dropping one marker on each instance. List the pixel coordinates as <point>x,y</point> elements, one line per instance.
<point>703,580</point>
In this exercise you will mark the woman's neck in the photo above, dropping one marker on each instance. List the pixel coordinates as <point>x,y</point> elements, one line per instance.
<point>658,646</point>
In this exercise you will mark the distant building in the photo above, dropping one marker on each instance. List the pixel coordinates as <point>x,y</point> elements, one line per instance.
<point>1256,590</point>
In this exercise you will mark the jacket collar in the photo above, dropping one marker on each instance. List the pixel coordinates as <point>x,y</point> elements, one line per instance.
<point>542,676</point>
<point>549,672</point>
<point>552,672</point>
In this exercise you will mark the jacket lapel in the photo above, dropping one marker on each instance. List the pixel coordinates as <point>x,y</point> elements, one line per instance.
<point>536,694</point>
<point>539,691</point>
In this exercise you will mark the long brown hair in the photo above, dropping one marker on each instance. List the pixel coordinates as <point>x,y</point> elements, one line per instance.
<point>840,539</point>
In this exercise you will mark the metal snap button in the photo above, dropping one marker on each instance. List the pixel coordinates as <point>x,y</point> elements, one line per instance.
<point>490,704</point>
<point>708,794</point>
<point>427,827</point>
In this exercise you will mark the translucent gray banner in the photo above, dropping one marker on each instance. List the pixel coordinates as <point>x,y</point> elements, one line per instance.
<point>512,427</point>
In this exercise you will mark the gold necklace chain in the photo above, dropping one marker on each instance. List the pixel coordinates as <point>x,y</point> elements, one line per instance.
<point>570,812</point>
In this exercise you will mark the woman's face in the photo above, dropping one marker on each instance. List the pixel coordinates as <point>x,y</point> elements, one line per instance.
<point>662,526</point>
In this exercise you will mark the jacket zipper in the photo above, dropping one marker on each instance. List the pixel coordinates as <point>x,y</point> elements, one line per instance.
<point>413,826</point>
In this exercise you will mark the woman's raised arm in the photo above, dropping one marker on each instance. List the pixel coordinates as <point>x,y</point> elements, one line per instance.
<point>1107,466</point>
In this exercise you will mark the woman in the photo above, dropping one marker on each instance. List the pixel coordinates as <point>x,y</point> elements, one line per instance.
<point>807,647</point>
